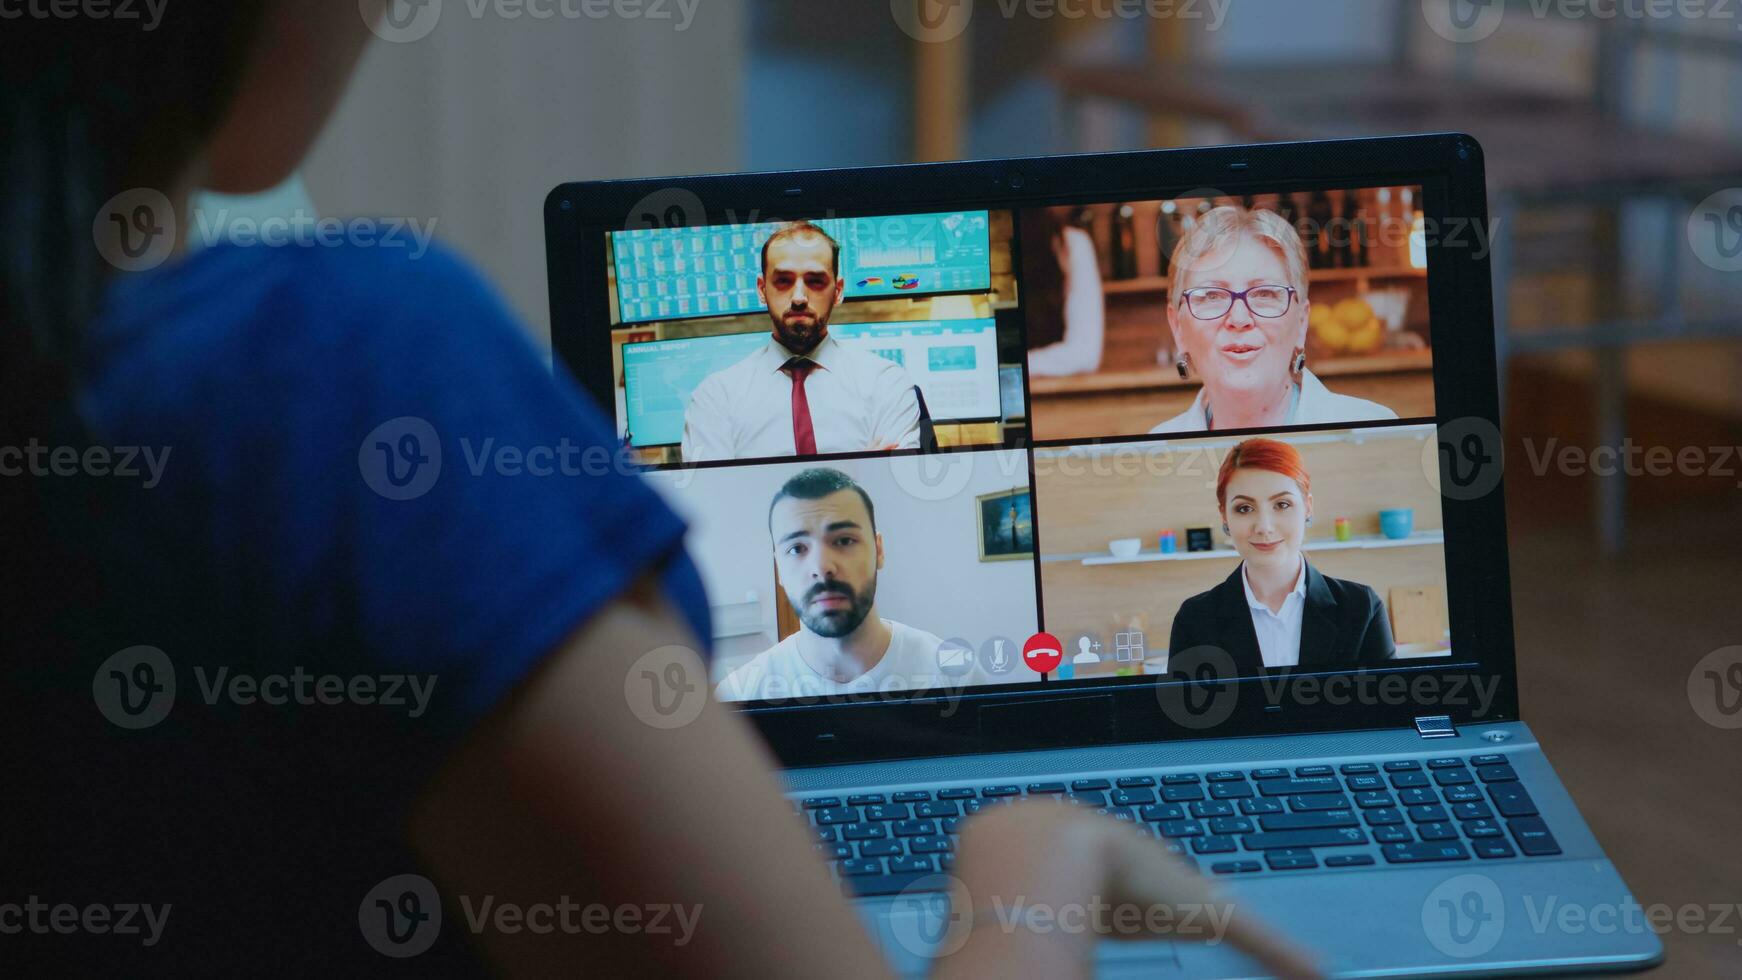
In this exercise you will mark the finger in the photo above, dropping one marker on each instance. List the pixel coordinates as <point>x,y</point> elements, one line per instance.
<point>1150,875</point>
<point>1275,954</point>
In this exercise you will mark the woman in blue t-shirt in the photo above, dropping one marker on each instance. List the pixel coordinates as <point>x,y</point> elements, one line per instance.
<point>273,701</point>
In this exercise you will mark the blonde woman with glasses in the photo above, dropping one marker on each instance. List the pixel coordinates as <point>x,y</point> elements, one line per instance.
<point>1237,309</point>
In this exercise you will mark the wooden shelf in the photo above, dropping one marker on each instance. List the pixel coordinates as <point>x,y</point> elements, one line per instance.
<point>1383,362</point>
<point>1159,284</point>
<point>1365,541</point>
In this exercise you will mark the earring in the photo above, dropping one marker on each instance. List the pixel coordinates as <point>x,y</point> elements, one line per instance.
<point>1299,363</point>
<point>1225,529</point>
<point>1309,522</point>
<point>1184,365</point>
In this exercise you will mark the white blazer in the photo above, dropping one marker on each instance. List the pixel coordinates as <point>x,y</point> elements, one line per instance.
<point>1318,406</point>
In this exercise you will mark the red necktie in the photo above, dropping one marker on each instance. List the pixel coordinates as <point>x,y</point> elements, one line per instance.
<point>804,436</point>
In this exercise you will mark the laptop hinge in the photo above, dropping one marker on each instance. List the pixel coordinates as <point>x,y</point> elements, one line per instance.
<point>1435,726</point>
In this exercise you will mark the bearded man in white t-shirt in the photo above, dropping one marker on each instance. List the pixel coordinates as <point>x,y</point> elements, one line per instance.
<point>827,553</point>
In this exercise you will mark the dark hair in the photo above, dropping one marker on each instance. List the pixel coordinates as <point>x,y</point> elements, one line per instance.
<point>816,483</point>
<point>796,228</point>
<point>89,108</point>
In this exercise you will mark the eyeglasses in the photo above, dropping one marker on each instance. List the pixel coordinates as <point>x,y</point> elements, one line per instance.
<point>1213,302</point>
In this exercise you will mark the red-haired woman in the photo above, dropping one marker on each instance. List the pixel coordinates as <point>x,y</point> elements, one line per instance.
<point>1276,611</point>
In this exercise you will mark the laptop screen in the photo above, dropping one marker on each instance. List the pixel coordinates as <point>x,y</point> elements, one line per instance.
<point>1078,445</point>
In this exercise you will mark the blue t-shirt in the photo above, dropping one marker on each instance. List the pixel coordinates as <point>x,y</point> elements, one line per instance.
<point>362,511</point>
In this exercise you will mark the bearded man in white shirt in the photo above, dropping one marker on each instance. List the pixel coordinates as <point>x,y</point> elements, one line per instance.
<point>803,393</point>
<point>827,554</point>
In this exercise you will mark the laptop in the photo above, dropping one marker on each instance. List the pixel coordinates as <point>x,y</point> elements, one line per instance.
<point>1206,532</point>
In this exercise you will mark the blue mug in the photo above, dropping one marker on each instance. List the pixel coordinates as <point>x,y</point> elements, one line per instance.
<point>1398,523</point>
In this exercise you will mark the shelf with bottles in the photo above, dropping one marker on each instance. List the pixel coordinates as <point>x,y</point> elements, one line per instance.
<point>1359,234</point>
<point>1365,541</point>
<point>1359,276</point>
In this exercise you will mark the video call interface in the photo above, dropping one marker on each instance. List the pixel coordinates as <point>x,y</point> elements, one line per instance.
<point>1054,445</point>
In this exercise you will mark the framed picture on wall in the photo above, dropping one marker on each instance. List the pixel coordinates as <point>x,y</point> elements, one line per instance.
<point>1006,524</point>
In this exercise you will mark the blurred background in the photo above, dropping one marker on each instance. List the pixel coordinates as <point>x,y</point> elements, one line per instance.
<point>1613,134</point>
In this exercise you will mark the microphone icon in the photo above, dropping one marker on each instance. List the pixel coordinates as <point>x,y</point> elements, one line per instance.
<point>995,658</point>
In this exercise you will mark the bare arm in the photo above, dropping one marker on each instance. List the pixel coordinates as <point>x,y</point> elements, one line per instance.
<point>564,791</point>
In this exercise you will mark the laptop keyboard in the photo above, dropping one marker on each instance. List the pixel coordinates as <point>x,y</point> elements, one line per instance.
<point>1225,821</point>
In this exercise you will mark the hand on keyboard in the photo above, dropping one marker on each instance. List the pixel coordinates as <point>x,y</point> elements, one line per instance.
<point>1046,880</point>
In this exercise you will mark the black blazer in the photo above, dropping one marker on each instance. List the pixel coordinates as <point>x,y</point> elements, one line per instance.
<point>1344,625</point>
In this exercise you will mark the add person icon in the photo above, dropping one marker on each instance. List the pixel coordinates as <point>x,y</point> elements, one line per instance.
<point>1086,654</point>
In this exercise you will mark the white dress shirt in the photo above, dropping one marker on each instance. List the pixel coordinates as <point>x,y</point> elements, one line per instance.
<point>1317,405</point>
<point>1278,632</point>
<point>910,663</point>
<point>858,402</point>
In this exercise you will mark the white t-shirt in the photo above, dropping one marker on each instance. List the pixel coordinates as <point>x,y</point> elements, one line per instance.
<point>910,663</point>
<point>858,401</point>
<point>1318,405</point>
<point>1278,632</point>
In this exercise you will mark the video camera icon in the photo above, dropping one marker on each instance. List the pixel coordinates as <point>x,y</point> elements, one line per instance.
<point>1042,653</point>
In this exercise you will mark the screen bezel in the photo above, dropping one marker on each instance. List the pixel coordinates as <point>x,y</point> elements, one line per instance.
<point>1448,166</point>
